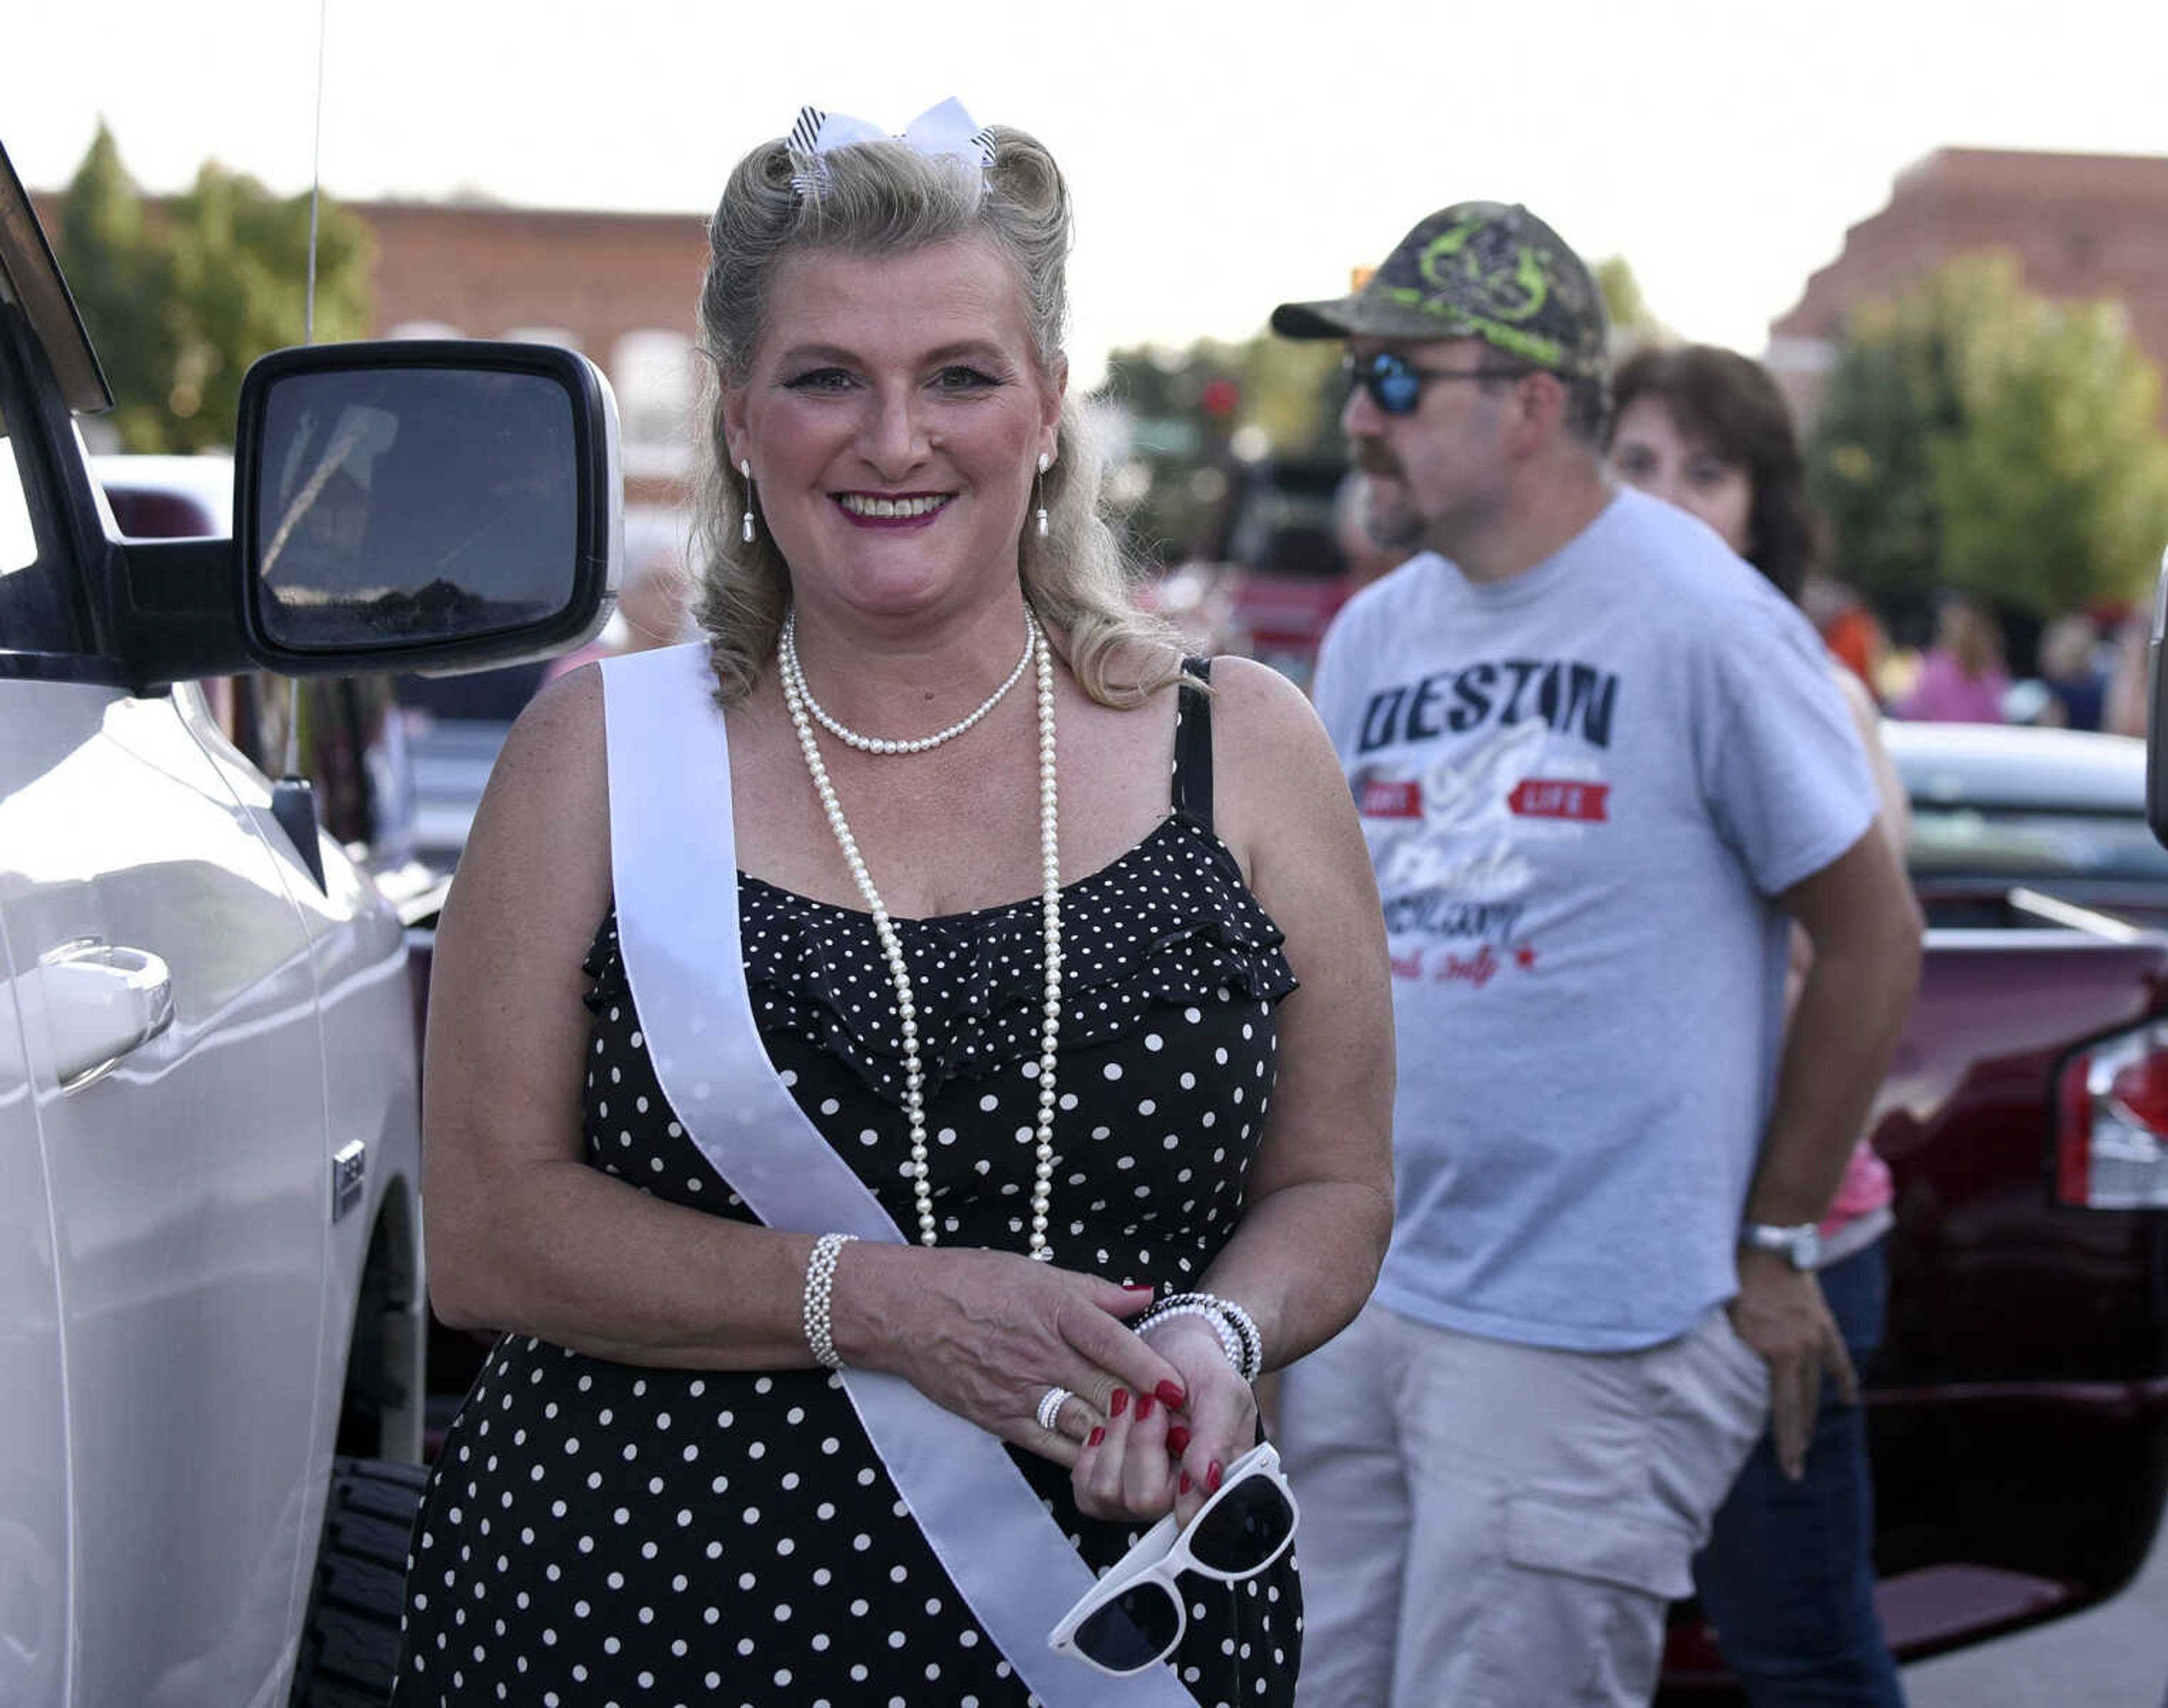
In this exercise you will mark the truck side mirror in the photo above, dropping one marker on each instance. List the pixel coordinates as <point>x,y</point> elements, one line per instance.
<point>424,505</point>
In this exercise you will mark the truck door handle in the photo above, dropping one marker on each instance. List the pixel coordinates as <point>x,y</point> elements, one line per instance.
<point>102,1002</point>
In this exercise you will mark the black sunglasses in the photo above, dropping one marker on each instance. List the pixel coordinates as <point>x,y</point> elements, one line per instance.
<point>1396,384</point>
<point>1133,1615</point>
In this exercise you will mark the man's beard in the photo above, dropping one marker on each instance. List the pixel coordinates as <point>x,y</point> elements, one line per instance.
<point>1392,528</point>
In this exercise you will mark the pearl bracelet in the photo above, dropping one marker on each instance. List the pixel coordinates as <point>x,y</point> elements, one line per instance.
<point>1230,1342</point>
<point>820,1289</point>
<point>1239,1338</point>
<point>1253,1342</point>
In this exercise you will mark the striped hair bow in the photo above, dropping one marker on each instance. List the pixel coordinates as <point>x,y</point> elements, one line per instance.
<point>943,130</point>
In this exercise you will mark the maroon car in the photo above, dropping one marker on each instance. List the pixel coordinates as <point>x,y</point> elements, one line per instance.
<point>1270,576</point>
<point>2018,1409</point>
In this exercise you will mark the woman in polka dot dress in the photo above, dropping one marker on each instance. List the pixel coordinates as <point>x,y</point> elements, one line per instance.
<point>1077,990</point>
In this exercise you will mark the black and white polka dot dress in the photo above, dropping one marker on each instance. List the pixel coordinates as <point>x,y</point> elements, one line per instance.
<point>597,1533</point>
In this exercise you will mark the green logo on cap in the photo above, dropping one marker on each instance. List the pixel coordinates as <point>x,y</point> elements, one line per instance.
<point>1499,280</point>
<point>1483,282</point>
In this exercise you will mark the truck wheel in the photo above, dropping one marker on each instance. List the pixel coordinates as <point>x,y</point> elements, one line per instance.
<point>350,1640</point>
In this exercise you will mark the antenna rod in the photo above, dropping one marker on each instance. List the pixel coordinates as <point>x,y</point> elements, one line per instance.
<point>309,331</point>
<point>315,173</point>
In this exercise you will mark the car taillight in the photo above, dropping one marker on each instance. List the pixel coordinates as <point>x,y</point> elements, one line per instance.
<point>2111,1123</point>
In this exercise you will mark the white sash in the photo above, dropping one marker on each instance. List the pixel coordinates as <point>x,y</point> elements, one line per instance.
<point>673,855</point>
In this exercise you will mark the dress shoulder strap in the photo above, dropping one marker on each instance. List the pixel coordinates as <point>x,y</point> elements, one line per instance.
<point>1193,746</point>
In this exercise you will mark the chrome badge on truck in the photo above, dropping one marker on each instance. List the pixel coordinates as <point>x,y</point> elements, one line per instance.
<point>349,1169</point>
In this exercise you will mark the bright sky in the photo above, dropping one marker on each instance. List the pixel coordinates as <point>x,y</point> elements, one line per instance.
<point>1224,156</point>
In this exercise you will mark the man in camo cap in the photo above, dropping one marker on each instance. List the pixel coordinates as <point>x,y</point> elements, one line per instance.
<point>1479,269</point>
<point>1601,764</point>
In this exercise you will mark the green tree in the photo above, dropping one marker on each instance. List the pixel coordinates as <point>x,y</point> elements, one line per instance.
<point>122,281</point>
<point>1195,407</point>
<point>1634,323</point>
<point>181,295</point>
<point>1974,436</point>
<point>1291,394</point>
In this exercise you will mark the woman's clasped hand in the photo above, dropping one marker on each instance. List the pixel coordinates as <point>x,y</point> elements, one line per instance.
<point>1149,1422</point>
<point>1156,1458</point>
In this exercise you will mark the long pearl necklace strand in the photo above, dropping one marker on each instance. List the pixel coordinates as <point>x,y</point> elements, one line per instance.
<point>799,701</point>
<point>787,652</point>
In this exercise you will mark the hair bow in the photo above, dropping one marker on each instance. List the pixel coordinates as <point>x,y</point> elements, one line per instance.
<point>943,130</point>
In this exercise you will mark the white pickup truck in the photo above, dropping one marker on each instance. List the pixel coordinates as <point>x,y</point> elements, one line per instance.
<point>211,1303</point>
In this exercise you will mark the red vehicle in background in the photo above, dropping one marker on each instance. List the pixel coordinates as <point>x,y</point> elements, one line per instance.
<point>2018,1408</point>
<point>1270,575</point>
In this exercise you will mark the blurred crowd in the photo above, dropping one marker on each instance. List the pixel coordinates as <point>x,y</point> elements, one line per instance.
<point>2087,669</point>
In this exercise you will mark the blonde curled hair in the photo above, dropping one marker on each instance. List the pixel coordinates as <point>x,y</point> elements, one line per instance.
<point>885,198</point>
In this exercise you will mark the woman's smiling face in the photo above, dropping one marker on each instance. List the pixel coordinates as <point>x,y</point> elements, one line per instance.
<point>1650,450</point>
<point>895,416</point>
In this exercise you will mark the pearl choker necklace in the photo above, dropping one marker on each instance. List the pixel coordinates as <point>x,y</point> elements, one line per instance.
<point>786,653</point>
<point>802,713</point>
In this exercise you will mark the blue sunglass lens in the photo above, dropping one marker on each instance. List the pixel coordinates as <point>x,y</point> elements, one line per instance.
<point>1393,385</point>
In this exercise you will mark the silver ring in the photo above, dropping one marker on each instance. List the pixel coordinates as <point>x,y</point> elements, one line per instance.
<point>1050,1408</point>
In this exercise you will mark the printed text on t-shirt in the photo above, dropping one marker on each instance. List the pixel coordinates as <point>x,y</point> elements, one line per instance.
<point>1575,699</point>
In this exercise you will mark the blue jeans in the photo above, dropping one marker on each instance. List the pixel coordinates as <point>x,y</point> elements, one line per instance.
<point>1787,1578</point>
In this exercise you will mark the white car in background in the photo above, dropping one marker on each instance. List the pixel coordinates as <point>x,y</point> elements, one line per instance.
<point>210,1286</point>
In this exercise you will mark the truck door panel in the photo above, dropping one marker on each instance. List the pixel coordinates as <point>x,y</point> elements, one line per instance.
<point>189,1190</point>
<point>357,951</point>
<point>34,1468</point>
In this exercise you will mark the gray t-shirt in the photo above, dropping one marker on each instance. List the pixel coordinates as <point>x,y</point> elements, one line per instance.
<point>1581,788</point>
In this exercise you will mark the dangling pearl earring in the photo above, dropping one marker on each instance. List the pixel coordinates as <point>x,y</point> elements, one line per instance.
<point>1045,463</point>
<point>744,528</point>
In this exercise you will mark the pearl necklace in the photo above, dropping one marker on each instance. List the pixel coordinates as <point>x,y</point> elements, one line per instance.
<point>786,652</point>
<point>800,702</point>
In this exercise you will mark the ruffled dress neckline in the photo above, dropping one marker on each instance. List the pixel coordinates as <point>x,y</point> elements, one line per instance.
<point>1168,920</point>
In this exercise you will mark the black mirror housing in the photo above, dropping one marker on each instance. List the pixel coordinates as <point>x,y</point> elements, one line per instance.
<point>427,507</point>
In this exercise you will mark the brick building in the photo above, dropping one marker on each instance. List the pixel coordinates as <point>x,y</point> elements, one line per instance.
<point>619,288</point>
<point>2081,226</point>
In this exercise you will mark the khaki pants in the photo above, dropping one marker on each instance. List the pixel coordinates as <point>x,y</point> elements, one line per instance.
<point>1493,1525</point>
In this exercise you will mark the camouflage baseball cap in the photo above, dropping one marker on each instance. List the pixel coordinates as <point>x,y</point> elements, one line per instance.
<point>1474,270</point>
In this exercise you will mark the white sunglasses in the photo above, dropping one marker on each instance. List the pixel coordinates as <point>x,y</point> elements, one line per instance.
<point>1133,1615</point>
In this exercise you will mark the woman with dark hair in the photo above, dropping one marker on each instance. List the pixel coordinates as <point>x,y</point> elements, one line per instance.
<point>1712,435</point>
<point>1788,1577</point>
<point>903,1063</point>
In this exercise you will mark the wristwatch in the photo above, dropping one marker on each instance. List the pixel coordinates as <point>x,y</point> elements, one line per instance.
<point>1800,1244</point>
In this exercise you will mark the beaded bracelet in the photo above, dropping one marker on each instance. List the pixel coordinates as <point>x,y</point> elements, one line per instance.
<point>1230,1342</point>
<point>1238,1330</point>
<point>820,1289</point>
<point>1253,1342</point>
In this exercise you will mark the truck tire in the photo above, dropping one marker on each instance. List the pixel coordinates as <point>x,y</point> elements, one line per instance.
<point>350,1639</point>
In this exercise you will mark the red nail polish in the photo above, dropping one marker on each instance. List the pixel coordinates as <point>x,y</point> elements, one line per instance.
<point>1212,1477</point>
<point>1098,1435</point>
<point>1171,1395</point>
<point>1184,1489</point>
<point>1177,1439</point>
<point>1144,1407</point>
<point>1120,1403</point>
<point>1136,1286</point>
